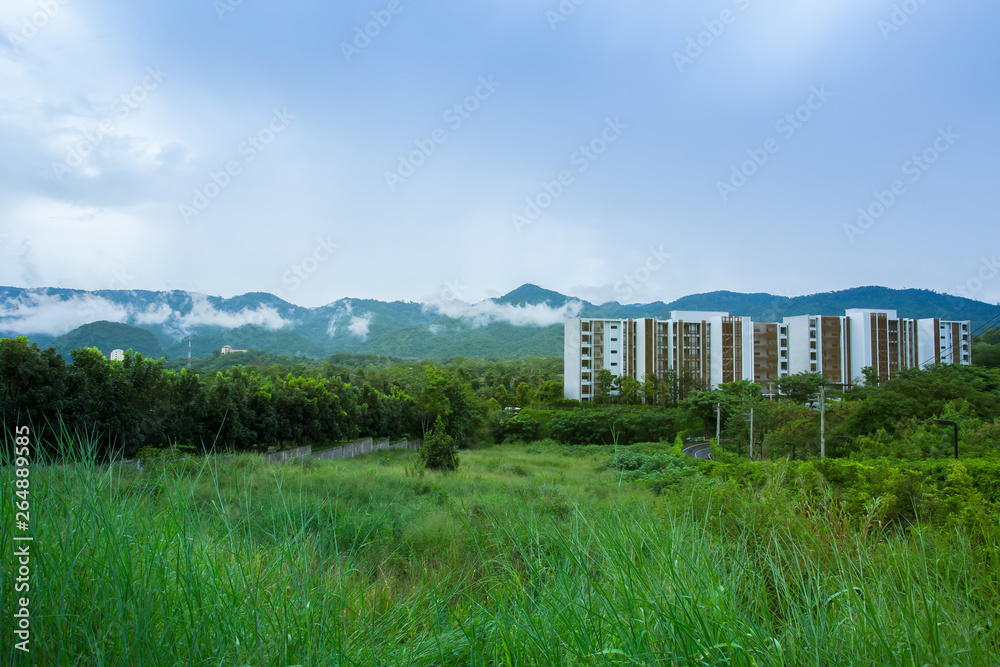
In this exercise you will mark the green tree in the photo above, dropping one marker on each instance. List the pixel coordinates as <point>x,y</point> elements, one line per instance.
<point>432,400</point>
<point>986,354</point>
<point>525,395</point>
<point>438,451</point>
<point>651,389</point>
<point>871,376</point>
<point>628,389</point>
<point>701,405</point>
<point>741,390</point>
<point>606,382</point>
<point>923,394</point>
<point>738,425</point>
<point>549,392</point>
<point>799,387</point>
<point>38,388</point>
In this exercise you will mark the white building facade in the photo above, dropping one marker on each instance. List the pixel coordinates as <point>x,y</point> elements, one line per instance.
<point>714,348</point>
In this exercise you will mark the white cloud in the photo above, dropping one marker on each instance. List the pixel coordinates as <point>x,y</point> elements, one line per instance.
<point>204,313</point>
<point>43,313</point>
<point>53,315</point>
<point>359,326</point>
<point>484,312</point>
<point>157,315</point>
<point>356,325</point>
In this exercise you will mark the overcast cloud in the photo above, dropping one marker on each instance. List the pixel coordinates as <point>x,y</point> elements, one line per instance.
<point>226,147</point>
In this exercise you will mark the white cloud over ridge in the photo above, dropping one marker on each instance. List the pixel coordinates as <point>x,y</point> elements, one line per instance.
<point>204,313</point>
<point>483,313</point>
<point>42,313</point>
<point>359,326</point>
<point>356,325</point>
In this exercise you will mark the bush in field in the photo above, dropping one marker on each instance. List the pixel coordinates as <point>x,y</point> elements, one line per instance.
<point>439,451</point>
<point>505,426</point>
<point>941,492</point>
<point>602,427</point>
<point>654,465</point>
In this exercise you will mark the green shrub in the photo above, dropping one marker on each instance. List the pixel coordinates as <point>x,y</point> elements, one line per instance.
<point>505,427</point>
<point>605,427</point>
<point>439,451</point>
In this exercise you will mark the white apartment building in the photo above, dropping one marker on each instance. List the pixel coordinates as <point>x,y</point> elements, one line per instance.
<point>716,347</point>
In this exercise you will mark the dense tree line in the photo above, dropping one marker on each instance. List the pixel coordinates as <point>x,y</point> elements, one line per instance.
<point>986,349</point>
<point>269,401</point>
<point>282,402</point>
<point>136,402</point>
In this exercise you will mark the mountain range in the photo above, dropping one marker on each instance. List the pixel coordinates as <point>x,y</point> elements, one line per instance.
<point>526,321</point>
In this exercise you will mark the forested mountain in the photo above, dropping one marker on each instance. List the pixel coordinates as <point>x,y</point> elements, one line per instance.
<point>526,321</point>
<point>108,336</point>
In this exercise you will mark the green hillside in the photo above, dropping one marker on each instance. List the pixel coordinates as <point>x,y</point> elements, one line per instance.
<point>420,331</point>
<point>497,340</point>
<point>246,337</point>
<point>108,336</point>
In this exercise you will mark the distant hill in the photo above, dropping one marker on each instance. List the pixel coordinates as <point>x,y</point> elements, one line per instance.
<point>108,336</point>
<point>247,337</point>
<point>533,295</point>
<point>525,321</point>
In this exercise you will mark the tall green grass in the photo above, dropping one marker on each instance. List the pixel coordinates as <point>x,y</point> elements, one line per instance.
<point>525,556</point>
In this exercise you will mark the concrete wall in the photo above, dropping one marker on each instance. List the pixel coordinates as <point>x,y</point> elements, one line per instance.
<point>288,454</point>
<point>346,451</point>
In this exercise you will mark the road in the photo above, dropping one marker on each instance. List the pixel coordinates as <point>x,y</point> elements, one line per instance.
<point>699,450</point>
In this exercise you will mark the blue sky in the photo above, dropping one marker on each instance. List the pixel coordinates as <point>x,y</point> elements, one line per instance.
<point>627,151</point>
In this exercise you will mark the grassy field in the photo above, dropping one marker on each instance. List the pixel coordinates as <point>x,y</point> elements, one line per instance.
<point>528,555</point>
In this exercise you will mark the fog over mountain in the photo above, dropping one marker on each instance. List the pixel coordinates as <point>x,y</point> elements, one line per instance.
<point>527,320</point>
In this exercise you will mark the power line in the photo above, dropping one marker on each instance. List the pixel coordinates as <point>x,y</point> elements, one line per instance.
<point>982,328</point>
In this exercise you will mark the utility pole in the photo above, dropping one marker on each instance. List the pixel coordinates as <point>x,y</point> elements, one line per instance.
<point>718,422</point>
<point>751,434</point>
<point>822,421</point>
